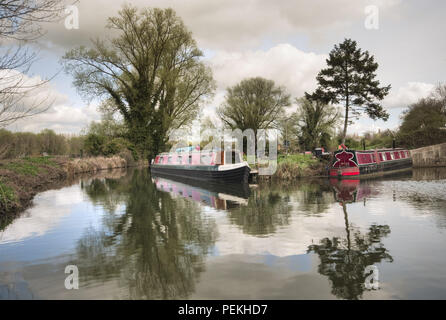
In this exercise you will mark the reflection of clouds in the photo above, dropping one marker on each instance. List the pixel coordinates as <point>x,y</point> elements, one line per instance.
<point>248,277</point>
<point>36,221</point>
<point>292,239</point>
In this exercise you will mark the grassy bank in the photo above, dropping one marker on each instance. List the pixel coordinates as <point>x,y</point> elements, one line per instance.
<point>298,165</point>
<point>21,179</point>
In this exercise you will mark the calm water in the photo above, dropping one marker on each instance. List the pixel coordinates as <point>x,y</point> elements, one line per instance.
<point>133,236</point>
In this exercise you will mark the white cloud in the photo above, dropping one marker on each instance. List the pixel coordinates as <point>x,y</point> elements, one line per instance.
<point>61,116</point>
<point>286,65</point>
<point>227,24</point>
<point>283,63</point>
<point>406,95</point>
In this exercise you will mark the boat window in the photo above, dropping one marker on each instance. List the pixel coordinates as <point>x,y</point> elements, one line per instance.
<point>189,160</point>
<point>170,160</point>
<point>180,159</point>
<point>381,156</point>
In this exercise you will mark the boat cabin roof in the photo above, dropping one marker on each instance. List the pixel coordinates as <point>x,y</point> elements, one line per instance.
<point>373,150</point>
<point>196,151</point>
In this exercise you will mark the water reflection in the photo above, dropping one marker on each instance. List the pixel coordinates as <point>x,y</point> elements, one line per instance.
<point>266,210</point>
<point>24,228</point>
<point>348,191</point>
<point>344,259</point>
<point>218,196</point>
<point>137,236</point>
<point>155,247</point>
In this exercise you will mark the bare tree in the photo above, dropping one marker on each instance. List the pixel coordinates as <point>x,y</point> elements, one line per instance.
<point>20,24</point>
<point>22,19</point>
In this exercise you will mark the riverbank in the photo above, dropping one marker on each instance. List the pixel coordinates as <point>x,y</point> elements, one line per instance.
<point>21,179</point>
<point>292,166</point>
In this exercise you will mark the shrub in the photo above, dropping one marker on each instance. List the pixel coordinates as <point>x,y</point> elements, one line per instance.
<point>94,144</point>
<point>7,195</point>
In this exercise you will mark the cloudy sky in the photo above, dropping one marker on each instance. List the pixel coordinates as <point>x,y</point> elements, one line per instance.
<point>284,40</point>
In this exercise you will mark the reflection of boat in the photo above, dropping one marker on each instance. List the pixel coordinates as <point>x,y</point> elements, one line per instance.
<point>353,163</point>
<point>350,190</point>
<point>222,166</point>
<point>217,196</point>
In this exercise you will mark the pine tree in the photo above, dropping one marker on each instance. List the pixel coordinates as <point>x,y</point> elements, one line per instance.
<point>350,80</point>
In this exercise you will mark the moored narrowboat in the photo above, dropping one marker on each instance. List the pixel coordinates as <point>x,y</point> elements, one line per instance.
<point>204,165</point>
<point>365,163</point>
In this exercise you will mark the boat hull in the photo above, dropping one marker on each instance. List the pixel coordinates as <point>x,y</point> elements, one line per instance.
<point>206,173</point>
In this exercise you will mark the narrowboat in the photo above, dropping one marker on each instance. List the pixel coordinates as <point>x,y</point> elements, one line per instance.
<point>365,163</point>
<point>204,165</point>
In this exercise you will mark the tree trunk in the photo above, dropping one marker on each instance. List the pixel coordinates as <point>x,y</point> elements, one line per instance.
<point>344,134</point>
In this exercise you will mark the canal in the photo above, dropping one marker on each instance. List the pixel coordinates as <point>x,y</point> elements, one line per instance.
<point>134,236</point>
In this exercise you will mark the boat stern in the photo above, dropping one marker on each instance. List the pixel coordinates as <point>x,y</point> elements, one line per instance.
<point>344,164</point>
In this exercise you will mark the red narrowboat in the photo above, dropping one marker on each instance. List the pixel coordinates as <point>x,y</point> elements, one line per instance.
<point>212,165</point>
<point>354,163</point>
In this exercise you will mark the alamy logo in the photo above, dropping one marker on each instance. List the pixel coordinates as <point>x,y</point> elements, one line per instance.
<point>372,18</point>
<point>72,281</point>
<point>72,18</point>
<point>372,278</point>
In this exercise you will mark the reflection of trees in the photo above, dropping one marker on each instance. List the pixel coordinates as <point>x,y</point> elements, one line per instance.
<point>156,247</point>
<point>344,260</point>
<point>314,196</point>
<point>270,205</point>
<point>107,192</point>
<point>266,210</point>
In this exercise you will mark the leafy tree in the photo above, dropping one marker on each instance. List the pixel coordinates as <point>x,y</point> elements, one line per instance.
<point>75,145</point>
<point>254,103</point>
<point>94,144</point>
<point>424,123</point>
<point>316,122</point>
<point>289,131</point>
<point>52,143</point>
<point>151,71</point>
<point>107,127</point>
<point>115,146</point>
<point>350,79</point>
